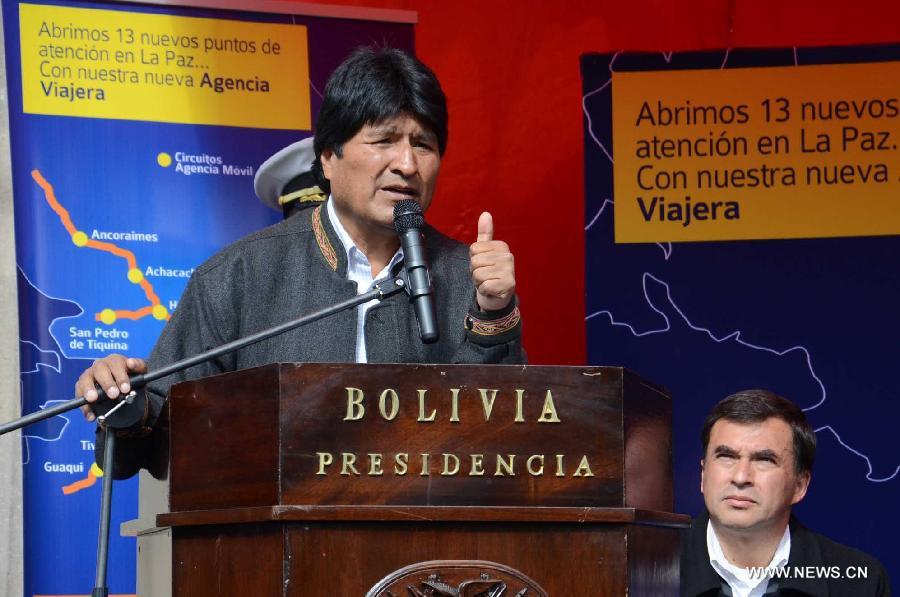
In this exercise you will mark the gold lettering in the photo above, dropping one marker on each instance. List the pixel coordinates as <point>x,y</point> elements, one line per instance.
<point>401,463</point>
<point>355,409</point>
<point>505,465</point>
<point>454,405</point>
<point>560,469</point>
<point>451,465</point>
<point>520,418</point>
<point>584,469</point>
<point>540,459</point>
<point>395,404</point>
<point>349,460</point>
<point>488,403</point>
<point>422,418</point>
<point>375,465</point>
<point>325,459</point>
<point>548,415</point>
<point>446,471</point>
<point>477,465</point>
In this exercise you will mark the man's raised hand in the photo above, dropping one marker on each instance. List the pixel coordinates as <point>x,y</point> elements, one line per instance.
<point>492,266</point>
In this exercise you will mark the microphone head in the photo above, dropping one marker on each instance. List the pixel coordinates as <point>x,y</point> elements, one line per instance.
<point>408,216</point>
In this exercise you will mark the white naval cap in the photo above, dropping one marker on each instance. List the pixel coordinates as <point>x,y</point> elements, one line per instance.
<point>287,176</point>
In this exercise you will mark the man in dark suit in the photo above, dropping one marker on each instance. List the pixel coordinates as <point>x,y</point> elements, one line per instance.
<point>758,456</point>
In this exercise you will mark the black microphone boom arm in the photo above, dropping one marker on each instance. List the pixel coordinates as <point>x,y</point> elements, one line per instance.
<point>380,290</point>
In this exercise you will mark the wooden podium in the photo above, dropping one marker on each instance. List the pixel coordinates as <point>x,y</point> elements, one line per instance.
<point>421,480</point>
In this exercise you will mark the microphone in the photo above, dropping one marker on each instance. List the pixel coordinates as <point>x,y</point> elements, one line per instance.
<point>408,222</point>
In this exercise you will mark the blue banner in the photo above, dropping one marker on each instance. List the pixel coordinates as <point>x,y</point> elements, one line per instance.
<point>812,319</point>
<point>127,174</point>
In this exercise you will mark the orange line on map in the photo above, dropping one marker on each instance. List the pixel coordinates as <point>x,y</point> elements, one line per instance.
<point>80,484</point>
<point>148,290</point>
<point>117,251</point>
<point>125,254</point>
<point>133,315</point>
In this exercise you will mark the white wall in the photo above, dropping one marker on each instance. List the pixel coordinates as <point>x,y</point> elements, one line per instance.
<point>11,582</point>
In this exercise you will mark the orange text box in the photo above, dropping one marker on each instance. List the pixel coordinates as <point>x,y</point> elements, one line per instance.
<point>756,153</point>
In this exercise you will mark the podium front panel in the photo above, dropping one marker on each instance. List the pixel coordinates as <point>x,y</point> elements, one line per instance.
<point>421,435</point>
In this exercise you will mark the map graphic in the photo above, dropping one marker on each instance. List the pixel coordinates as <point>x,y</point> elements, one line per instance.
<point>83,298</point>
<point>81,239</point>
<point>814,320</point>
<point>58,455</point>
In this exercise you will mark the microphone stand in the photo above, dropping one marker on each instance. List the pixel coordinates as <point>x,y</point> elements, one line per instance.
<point>127,412</point>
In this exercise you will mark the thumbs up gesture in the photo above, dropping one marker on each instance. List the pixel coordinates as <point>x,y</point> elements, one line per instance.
<point>492,267</point>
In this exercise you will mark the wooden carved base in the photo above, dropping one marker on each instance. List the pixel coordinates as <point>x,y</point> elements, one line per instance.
<point>456,578</point>
<point>568,552</point>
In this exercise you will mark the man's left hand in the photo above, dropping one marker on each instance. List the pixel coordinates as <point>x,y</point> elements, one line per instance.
<point>492,266</point>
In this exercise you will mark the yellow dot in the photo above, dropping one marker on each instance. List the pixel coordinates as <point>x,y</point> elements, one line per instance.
<point>135,275</point>
<point>96,470</point>
<point>164,159</point>
<point>160,312</point>
<point>80,239</point>
<point>108,316</point>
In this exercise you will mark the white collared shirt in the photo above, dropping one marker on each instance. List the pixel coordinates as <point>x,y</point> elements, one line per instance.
<point>360,271</point>
<point>738,577</point>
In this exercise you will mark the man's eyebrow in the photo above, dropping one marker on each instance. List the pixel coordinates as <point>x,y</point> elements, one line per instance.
<point>378,130</point>
<point>382,129</point>
<point>765,455</point>
<point>725,451</point>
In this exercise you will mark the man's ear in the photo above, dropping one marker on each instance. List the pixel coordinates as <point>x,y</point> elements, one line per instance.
<point>702,467</point>
<point>326,158</point>
<point>803,481</point>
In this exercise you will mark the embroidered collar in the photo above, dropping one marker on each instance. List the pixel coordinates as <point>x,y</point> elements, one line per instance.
<point>325,246</point>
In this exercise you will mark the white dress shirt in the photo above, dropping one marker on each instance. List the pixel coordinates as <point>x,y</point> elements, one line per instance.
<point>738,577</point>
<point>360,271</point>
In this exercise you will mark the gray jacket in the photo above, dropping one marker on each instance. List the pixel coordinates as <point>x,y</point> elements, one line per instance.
<point>296,267</point>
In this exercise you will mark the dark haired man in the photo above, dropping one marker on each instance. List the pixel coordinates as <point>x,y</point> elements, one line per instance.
<point>758,455</point>
<point>380,136</point>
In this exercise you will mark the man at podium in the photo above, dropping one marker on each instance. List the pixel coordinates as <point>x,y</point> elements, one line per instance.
<point>380,137</point>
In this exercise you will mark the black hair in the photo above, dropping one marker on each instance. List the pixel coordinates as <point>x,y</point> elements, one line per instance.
<point>756,406</point>
<point>371,86</point>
